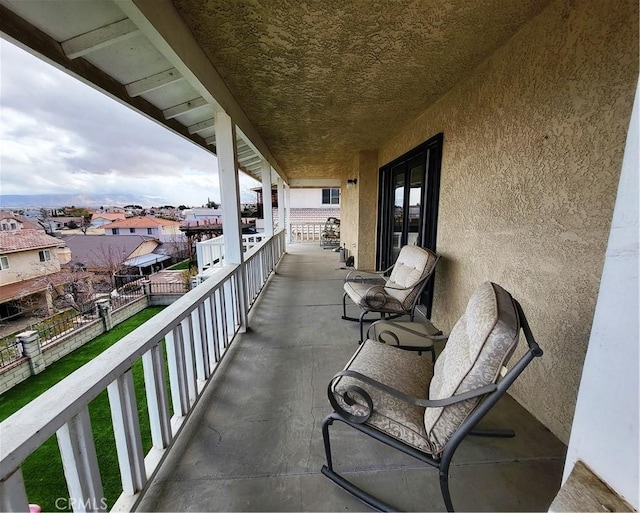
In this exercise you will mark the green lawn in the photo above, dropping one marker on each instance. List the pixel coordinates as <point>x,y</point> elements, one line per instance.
<point>43,474</point>
<point>180,266</point>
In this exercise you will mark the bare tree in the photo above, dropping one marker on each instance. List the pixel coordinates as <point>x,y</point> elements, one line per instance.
<point>180,246</point>
<point>110,258</point>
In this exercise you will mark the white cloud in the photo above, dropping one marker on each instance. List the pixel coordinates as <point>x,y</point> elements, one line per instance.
<point>60,136</point>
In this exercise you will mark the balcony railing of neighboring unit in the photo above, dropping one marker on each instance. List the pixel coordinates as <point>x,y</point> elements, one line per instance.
<point>210,253</point>
<point>195,331</point>
<point>306,232</point>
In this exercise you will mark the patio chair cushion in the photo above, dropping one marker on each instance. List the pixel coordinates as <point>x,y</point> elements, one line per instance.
<point>480,343</point>
<point>398,419</point>
<point>372,297</point>
<point>413,264</point>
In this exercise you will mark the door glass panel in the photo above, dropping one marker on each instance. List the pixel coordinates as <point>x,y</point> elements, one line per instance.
<point>398,213</point>
<point>415,205</point>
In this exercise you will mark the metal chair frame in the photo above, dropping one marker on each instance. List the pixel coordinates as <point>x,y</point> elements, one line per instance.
<point>490,394</point>
<point>381,280</point>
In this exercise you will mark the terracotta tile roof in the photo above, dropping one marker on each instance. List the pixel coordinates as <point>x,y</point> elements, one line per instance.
<point>140,222</point>
<point>22,240</point>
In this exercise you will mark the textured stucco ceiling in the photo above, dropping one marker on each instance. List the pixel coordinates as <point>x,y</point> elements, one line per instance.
<point>323,79</point>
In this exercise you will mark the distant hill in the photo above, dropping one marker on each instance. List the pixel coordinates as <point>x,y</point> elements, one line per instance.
<point>78,200</point>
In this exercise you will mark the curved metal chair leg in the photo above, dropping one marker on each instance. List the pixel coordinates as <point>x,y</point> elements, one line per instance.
<point>327,442</point>
<point>364,312</point>
<point>444,488</point>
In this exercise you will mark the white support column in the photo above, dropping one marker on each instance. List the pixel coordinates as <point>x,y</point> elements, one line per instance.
<point>281,218</point>
<point>126,428</point>
<point>230,194</point>
<point>267,204</point>
<point>229,188</point>
<point>287,211</point>
<point>80,463</point>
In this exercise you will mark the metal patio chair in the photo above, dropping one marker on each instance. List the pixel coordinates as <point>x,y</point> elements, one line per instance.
<point>426,410</point>
<point>396,295</point>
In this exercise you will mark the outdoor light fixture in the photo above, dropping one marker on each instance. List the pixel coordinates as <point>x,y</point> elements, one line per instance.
<point>351,182</point>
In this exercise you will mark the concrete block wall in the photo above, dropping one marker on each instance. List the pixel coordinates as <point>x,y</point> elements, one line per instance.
<point>122,314</point>
<point>13,374</point>
<point>56,350</point>
<point>52,352</point>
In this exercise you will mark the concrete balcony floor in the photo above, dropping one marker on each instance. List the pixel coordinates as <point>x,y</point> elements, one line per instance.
<point>254,442</point>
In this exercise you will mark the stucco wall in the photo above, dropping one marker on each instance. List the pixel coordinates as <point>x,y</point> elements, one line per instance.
<point>349,210</point>
<point>533,144</point>
<point>24,265</point>
<point>368,203</point>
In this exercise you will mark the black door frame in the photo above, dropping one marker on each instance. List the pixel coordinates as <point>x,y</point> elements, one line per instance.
<point>429,153</point>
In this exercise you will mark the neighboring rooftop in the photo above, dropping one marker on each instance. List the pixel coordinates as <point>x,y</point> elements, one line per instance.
<point>6,217</point>
<point>94,250</point>
<point>26,239</point>
<point>141,222</point>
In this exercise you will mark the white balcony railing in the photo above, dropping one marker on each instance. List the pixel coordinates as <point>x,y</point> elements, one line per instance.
<point>196,331</point>
<point>210,253</point>
<point>306,232</point>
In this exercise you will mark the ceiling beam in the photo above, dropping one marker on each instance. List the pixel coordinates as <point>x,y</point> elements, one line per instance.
<point>199,127</point>
<point>164,27</point>
<point>183,108</point>
<point>146,85</point>
<point>99,38</point>
<point>36,42</point>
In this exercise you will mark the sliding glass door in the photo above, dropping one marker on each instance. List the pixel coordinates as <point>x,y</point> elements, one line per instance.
<point>408,198</point>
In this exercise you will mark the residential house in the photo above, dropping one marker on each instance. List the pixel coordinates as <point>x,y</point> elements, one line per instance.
<point>31,279</point>
<point>101,218</point>
<point>106,256</point>
<point>164,230</point>
<point>306,205</point>
<point>202,215</point>
<point>58,223</point>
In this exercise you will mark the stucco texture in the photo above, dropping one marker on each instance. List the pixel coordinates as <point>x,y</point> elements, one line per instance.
<point>533,145</point>
<point>322,79</point>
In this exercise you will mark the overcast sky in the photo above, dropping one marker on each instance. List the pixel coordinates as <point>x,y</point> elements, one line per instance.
<point>59,136</point>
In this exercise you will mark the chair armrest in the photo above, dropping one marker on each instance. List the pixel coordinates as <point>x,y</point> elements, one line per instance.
<point>425,403</point>
<point>438,336</point>
<point>366,277</point>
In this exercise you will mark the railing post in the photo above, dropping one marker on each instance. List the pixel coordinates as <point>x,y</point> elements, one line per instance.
<point>80,463</point>
<point>13,496</point>
<point>104,310</point>
<point>157,400</point>
<point>126,428</point>
<point>30,341</point>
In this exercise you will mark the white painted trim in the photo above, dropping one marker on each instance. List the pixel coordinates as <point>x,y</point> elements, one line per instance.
<point>148,84</point>
<point>604,434</point>
<point>183,108</point>
<point>164,27</point>
<point>99,38</point>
